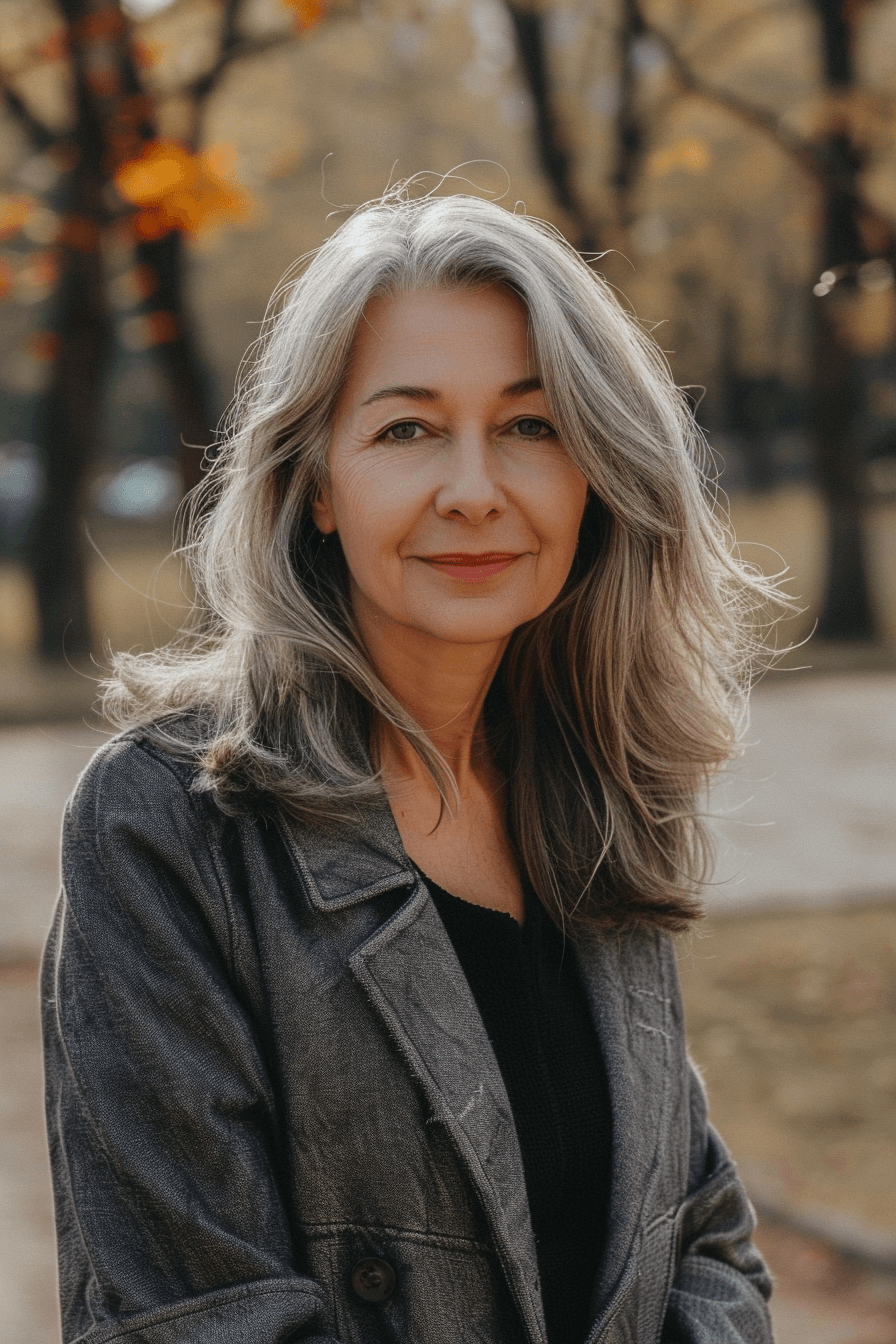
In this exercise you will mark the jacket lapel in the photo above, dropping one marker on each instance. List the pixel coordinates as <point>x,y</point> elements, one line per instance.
<point>411,975</point>
<point>622,976</point>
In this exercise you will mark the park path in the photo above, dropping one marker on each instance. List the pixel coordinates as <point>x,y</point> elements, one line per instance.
<point>808,815</point>
<point>809,821</point>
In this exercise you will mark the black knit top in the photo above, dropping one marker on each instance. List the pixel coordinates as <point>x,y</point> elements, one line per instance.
<point>526,985</point>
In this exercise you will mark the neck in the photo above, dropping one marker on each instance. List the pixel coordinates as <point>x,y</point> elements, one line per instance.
<point>443,687</point>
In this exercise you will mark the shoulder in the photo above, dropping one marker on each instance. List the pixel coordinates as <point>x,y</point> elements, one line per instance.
<point>133,773</point>
<point>138,805</point>
<point>142,854</point>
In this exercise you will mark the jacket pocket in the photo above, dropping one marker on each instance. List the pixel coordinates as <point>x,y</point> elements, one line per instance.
<point>395,1286</point>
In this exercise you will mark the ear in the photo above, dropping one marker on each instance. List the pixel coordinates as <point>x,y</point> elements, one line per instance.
<point>322,512</point>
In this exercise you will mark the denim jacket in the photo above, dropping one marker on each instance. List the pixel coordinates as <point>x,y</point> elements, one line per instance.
<point>275,1115</point>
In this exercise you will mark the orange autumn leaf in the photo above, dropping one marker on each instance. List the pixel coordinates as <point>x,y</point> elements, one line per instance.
<point>7,275</point>
<point>146,53</point>
<point>306,13</point>
<point>14,212</point>
<point>687,155</point>
<point>174,189</point>
<point>162,168</point>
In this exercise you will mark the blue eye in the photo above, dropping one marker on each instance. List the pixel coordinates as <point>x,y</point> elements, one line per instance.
<point>530,428</point>
<point>403,432</point>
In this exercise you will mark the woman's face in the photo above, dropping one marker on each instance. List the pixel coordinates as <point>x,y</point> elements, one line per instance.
<point>455,502</point>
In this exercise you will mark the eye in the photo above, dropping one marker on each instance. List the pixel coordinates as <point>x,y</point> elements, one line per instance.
<point>531,428</point>
<point>403,432</point>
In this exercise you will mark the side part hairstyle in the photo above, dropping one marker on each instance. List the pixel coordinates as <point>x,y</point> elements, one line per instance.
<point>610,712</point>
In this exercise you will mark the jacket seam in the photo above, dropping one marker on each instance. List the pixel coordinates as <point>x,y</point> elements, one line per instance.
<point>224,1299</point>
<point>313,1230</point>
<point>96,1279</point>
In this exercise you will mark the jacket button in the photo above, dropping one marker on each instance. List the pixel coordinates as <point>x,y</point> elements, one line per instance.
<point>373,1279</point>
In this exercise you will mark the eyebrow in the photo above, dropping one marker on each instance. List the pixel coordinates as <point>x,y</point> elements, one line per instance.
<point>517,389</point>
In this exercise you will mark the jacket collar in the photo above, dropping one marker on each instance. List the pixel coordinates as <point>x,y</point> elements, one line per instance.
<point>345,865</point>
<point>413,979</point>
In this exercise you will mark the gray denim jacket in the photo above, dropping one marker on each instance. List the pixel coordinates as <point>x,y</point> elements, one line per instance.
<point>265,1067</point>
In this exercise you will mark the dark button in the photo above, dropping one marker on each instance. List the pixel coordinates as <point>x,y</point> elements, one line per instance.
<point>373,1279</point>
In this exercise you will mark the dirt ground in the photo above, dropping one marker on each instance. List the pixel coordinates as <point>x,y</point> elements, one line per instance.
<point>792,1018</point>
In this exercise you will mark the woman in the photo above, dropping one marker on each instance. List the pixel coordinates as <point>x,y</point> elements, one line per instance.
<point>362,1020</point>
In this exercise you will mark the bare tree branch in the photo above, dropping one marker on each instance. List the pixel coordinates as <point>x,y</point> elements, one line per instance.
<point>801,151</point>
<point>736,25</point>
<point>826,169</point>
<point>553,151</point>
<point>41,136</point>
<point>231,47</point>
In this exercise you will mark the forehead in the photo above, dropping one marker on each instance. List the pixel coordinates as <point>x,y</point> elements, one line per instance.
<point>425,331</point>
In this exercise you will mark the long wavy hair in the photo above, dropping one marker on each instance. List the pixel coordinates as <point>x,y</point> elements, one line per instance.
<point>609,713</point>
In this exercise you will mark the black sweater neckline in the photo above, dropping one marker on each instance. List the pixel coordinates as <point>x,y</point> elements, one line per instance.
<point>524,979</point>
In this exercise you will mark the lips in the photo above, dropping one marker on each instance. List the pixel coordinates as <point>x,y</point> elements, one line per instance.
<point>472,568</point>
<point>463,558</point>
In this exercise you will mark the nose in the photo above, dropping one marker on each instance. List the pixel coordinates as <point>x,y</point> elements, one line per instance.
<point>471,488</point>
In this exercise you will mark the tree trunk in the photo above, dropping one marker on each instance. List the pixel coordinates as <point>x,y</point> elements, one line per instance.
<point>553,152</point>
<point>846,612</point>
<point>629,137</point>
<point>67,426</point>
<point>69,414</point>
<point>177,351</point>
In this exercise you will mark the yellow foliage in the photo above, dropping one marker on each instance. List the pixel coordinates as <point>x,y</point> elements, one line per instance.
<point>14,211</point>
<point>174,189</point>
<point>306,13</point>
<point>146,53</point>
<point>687,155</point>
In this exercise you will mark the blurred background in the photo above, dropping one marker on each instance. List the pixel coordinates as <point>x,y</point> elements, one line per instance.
<point>733,165</point>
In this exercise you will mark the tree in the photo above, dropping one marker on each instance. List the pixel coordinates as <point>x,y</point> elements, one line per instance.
<point>528,23</point>
<point>120,174</point>
<point>852,234</point>
<point>854,238</point>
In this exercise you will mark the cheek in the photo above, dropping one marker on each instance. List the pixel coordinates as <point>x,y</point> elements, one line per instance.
<point>373,509</point>
<point>568,495</point>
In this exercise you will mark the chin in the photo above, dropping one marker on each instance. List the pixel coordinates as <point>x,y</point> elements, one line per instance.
<point>484,628</point>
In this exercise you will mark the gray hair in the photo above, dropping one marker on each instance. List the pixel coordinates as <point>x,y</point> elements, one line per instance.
<point>610,711</point>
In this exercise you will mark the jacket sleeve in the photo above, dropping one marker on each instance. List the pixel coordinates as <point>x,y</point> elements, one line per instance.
<point>165,1146</point>
<point>721,1285</point>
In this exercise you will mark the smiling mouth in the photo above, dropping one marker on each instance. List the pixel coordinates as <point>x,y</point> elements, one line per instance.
<point>472,568</point>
